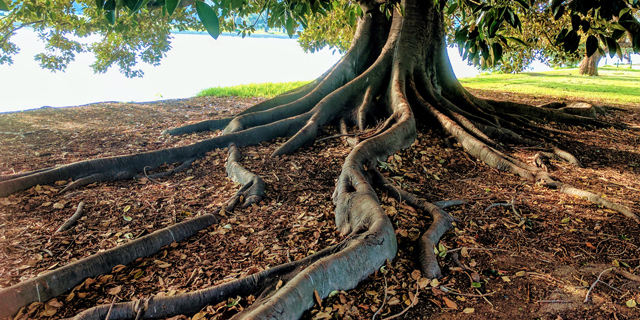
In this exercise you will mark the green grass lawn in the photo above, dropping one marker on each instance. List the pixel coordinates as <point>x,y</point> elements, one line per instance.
<point>614,85</point>
<point>267,89</point>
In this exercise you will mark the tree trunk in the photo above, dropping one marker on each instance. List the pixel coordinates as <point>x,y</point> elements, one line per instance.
<point>589,65</point>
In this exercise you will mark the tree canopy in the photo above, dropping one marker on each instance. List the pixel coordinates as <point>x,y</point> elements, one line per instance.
<point>489,33</point>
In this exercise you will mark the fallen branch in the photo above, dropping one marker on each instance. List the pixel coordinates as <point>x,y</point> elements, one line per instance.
<point>383,300</point>
<point>451,291</point>
<point>586,299</point>
<point>110,308</point>
<point>415,299</point>
<point>72,220</point>
<point>553,301</point>
<point>627,275</point>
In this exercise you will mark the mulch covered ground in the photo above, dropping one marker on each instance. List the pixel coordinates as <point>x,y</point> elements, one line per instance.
<point>536,258</point>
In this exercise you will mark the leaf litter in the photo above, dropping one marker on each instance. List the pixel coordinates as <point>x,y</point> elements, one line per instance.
<point>515,259</point>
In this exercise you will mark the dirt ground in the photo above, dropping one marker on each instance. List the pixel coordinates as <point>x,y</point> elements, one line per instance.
<point>534,258</point>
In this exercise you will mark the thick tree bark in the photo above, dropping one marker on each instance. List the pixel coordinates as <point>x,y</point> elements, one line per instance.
<point>396,74</point>
<point>589,65</point>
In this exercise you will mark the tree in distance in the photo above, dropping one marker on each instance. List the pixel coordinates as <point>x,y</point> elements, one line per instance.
<point>394,78</point>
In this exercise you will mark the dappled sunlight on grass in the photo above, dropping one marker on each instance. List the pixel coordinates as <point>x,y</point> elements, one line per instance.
<point>267,89</point>
<point>617,85</point>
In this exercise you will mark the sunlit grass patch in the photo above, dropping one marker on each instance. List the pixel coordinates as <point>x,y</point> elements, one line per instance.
<point>267,89</point>
<point>614,85</point>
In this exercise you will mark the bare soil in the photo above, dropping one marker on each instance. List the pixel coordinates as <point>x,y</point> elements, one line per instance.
<point>535,259</point>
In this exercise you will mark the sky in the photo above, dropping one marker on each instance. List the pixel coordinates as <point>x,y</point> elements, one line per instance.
<point>196,62</point>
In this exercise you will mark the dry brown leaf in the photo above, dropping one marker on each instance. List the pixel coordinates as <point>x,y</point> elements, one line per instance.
<point>423,282</point>
<point>55,303</point>
<point>199,315</point>
<point>118,268</point>
<point>49,311</point>
<point>416,275</point>
<point>468,310</point>
<point>450,303</point>
<point>317,297</point>
<point>115,290</point>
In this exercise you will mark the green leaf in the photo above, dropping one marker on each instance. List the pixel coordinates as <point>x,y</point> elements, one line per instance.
<point>618,26</point>
<point>111,16</point>
<point>3,6</point>
<point>476,284</point>
<point>352,18</point>
<point>518,41</point>
<point>558,12</point>
<point>585,25</point>
<point>110,5</point>
<point>494,28</point>
<point>452,8</point>
<point>130,4</point>
<point>289,25</point>
<point>560,37</point>
<point>524,4</point>
<point>592,45</point>
<point>619,51</point>
<point>171,5</point>
<point>575,21</point>
<point>127,218</point>
<point>209,18</point>
<point>611,45</point>
<point>99,4</point>
<point>497,52</point>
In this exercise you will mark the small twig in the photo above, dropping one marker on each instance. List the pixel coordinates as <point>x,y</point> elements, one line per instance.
<point>586,299</point>
<point>337,136</point>
<point>415,299</point>
<point>484,249</point>
<point>113,301</point>
<point>383,300</point>
<point>73,218</point>
<point>553,301</point>
<point>451,291</point>
<point>610,286</point>
<point>508,204</point>
<point>484,297</point>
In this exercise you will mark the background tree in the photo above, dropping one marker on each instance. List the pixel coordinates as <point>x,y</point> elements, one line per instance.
<point>394,79</point>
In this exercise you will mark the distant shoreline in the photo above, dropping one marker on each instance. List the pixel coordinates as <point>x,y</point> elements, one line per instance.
<point>235,35</point>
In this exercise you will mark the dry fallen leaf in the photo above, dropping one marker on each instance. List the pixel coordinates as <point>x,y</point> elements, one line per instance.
<point>317,297</point>
<point>423,283</point>
<point>199,315</point>
<point>55,303</point>
<point>416,275</point>
<point>468,310</point>
<point>118,268</point>
<point>115,290</point>
<point>450,303</point>
<point>58,205</point>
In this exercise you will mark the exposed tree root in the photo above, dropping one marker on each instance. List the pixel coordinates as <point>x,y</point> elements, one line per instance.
<point>67,224</point>
<point>58,281</point>
<point>396,73</point>
<point>252,190</point>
